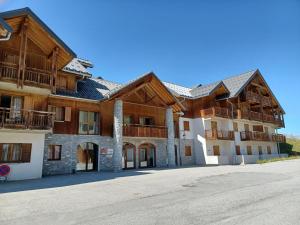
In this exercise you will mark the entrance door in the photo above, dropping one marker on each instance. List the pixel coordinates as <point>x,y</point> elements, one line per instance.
<point>128,156</point>
<point>87,157</point>
<point>147,156</point>
<point>176,159</point>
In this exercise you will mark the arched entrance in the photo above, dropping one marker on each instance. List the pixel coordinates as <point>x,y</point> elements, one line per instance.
<point>128,156</point>
<point>147,155</point>
<point>87,157</point>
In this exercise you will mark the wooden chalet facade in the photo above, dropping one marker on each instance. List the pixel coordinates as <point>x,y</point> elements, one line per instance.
<point>55,118</point>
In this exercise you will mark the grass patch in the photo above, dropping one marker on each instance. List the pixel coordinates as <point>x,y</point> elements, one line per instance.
<point>277,159</point>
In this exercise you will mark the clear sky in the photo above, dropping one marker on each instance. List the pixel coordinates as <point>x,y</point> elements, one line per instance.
<point>187,42</point>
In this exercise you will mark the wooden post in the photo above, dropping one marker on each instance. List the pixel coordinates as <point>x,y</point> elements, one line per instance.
<point>54,69</point>
<point>22,53</point>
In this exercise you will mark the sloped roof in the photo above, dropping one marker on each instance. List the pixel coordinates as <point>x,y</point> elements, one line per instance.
<point>233,84</point>
<point>76,67</point>
<point>90,88</point>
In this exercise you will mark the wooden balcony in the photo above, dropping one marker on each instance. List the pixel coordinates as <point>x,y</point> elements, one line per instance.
<point>253,97</point>
<point>278,138</point>
<point>254,136</point>
<point>26,119</point>
<point>257,116</point>
<point>137,130</point>
<point>257,98</point>
<point>37,71</point>
<point>219,135</point>
<point>215,111</point>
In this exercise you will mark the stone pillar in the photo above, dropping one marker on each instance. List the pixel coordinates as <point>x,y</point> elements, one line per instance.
<point>171,141</point>
<point>118,136</point>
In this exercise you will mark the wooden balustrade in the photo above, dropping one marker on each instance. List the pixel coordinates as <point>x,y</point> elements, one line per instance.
<point>278,138</point>
<point>219,134</point>
<point>215,111</point>
<point>137,130</point>
<point>25,119</point>
<point>255,115</point>
<point>254,136</point>
<point>253,97</point>
<point>257,98</point>
<point>37,71</point>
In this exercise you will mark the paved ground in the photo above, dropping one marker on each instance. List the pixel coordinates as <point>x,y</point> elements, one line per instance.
<point>252,194</point>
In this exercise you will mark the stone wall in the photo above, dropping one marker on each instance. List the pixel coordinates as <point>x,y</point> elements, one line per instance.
<point>69,143</point>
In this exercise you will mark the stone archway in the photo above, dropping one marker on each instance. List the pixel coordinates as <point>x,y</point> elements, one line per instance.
<point>87,157</point>
<point>147,155</point>
<point>128,156</point>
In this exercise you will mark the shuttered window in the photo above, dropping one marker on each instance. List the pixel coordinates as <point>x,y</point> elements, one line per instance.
<point>249,150</point>
<point>186,125</point>
<point>237,150</point>
<point>188,150</point>
<point>15,153</point>
<point>216,149</point>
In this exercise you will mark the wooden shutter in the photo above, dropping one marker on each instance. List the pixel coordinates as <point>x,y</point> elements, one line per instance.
<point>68,111</point>
<point>186,125</point>
<point>216,150</point>
<point>237,150</point>
<point>26,152</point>
<point>188,150</point>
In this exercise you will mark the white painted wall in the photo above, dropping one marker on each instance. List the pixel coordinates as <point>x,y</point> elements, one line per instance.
<point>32,170</point>
<point>204,148</point>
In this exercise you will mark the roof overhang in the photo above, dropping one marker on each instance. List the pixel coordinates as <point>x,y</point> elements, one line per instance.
<point>37,29</point>
<point>258,73</point>
<point>152,81</point>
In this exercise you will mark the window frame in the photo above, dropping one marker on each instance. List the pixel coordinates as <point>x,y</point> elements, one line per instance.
<point>88,123</point>
<point>62,115</point>
<point>11,153</point>
<point>186,125</point>
<point>237,150</point>
<point>187,151</point>
<point>52,148</point>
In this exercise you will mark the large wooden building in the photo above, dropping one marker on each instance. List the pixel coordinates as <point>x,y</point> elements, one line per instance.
<point>56,118</point>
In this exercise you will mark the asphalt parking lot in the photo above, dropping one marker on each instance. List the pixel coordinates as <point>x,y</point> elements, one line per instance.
<point>251,194</point>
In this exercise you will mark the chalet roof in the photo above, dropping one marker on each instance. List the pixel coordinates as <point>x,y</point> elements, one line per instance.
<point>90,88</point>
<point>39,33</point>
<point>234,85</point>
<point>76,66</point>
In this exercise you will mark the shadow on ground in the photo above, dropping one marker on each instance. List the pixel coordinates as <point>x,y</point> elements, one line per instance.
<point>65,180</point>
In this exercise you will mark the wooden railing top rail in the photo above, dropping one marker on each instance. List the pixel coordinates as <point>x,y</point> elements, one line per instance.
<point>140,125</point>
<point>219,134</point>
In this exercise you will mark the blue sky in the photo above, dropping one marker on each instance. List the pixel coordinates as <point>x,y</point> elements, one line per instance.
<point>183,41</point>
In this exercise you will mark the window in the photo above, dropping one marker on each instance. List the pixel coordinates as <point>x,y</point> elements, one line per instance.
<point>214,125</point>
<point>237,150</point>
<point>249,150</point>
<point>246,126</point>
<point>260,150</point>
<point>146,121</point>
<point>269,150</point>
<point>127,119</point>
<point>186,125</point>
<point>266,130</point>
<point>59,114</point>
<point>54,152</point>
<point>88,123</point>
<point>188,150</point>
<point>235,126</point>
<point>258,128</point>
<point>15,153</point>
<point>216,150</point>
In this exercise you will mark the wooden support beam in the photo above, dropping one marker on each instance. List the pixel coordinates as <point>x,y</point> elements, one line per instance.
<point>22,52</point>
<point>54,69</point>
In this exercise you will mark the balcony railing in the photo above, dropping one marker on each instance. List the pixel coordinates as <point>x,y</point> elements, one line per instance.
<point>257,116</point>
<point>215,111</point>
<point>25,119</point>
<point>254,136</point>
<point>137,130</point>
<point>278,138</point>
<point>219,135</point>
<point>37,71</point>
<point>257,98</point>
<point>253,97</point>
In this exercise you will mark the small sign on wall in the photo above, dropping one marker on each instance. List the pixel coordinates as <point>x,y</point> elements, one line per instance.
<point>108,152</point>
